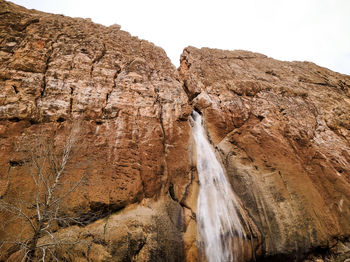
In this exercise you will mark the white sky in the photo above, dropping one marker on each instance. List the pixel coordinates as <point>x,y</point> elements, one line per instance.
<point>304,30</point>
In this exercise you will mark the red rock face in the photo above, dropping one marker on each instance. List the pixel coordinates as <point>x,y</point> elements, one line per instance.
<point>134,111</point>
<point>281,128</point>
<point>55,69</point>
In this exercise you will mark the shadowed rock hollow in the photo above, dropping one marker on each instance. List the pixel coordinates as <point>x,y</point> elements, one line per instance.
<point>281,130</point>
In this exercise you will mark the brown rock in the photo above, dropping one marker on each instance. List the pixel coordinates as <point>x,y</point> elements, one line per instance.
<point>56,69</point>
<point>281,128</point>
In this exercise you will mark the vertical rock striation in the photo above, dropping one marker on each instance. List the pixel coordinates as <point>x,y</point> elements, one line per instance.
<point>282,131</point>
<point>54,69</point>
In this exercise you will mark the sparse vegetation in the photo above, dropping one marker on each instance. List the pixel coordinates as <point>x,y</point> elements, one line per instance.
<point>47,165</point>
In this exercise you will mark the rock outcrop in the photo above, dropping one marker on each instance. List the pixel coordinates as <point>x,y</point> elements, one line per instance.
<point>281,129</point>
<point>125,91</point>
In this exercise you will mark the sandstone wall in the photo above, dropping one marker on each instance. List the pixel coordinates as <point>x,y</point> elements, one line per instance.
<point>282,130</point>
<point>134,110</point>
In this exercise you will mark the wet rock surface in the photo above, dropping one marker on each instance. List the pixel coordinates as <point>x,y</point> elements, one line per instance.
<point>281,129</point>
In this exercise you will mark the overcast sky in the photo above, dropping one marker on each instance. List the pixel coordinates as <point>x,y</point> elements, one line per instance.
<point>304,30</point>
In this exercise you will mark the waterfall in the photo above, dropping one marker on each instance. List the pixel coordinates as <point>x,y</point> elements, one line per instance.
<point>219,227</point>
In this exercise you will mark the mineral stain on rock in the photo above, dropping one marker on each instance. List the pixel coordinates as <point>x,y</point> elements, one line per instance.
<point>282,130</point>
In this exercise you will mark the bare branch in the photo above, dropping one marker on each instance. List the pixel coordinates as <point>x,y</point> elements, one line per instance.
<point>53,255</point>
<point>17,211</point>
<point>59,199</point>
<point>43,250</point>
<point>47,168</point>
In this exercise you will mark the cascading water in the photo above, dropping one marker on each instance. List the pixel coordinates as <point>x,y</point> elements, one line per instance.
<point>219,227</point>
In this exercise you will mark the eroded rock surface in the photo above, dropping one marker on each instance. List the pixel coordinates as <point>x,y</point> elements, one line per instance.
<point>134,111</point>
<point>282,130</point>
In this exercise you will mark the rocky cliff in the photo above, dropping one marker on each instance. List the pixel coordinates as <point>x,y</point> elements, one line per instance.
<point>281,130</point>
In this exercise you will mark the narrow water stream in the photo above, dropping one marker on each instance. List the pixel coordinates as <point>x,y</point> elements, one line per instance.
<point>219,227</point>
